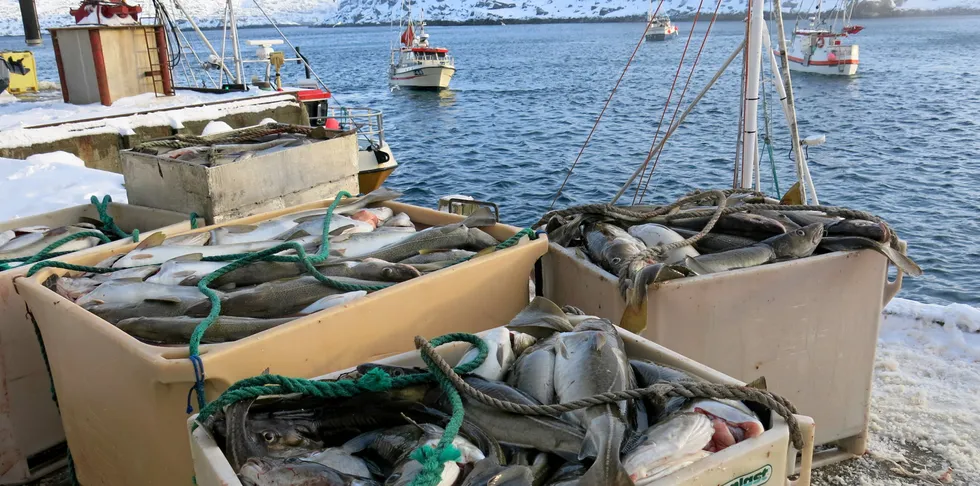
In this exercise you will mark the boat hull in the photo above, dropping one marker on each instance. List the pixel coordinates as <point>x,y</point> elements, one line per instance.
<point>427,77</point>
<point>373,170</point>
<point>830,60</point>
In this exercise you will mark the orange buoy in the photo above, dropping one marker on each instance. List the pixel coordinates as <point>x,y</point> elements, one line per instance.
<point>331,124</point>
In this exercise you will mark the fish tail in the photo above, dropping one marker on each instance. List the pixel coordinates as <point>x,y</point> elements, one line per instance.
<point>604,438</point>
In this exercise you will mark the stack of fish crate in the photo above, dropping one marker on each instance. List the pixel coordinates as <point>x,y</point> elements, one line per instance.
<point>124,402</point>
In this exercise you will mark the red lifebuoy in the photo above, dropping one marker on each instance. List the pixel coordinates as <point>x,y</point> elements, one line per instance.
<point>820,42</point>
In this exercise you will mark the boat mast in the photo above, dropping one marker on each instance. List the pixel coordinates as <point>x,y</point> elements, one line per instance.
<point>239,72</point>
<point>819,8</point>
<point>750,137</point>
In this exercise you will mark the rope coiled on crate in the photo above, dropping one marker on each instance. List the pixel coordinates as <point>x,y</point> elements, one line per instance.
<point>774,402</point>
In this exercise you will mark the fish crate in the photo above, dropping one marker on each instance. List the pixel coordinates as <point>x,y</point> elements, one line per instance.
<point>809,326</point>
<point>124,402</point>
<point>261,183</point>
<point>769,458</point>
<point>30,428</point>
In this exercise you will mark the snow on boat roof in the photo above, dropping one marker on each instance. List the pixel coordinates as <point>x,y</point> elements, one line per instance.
<point>25,123</point>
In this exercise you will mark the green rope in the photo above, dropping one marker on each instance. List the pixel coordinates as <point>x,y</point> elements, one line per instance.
<point>193,218</point>
<point>109,223</point>
<point>376,380</point>
<point>308,263</point>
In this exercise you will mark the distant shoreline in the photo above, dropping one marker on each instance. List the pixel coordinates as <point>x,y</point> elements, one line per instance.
<point>858,15</point>
<point>952,12</point>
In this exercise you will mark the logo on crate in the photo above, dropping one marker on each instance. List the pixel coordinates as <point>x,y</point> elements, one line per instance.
<point>754,478</point>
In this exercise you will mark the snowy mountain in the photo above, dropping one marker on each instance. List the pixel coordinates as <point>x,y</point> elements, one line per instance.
<point>209,13</point>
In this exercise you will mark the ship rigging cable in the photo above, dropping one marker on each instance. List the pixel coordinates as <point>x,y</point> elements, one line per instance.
<point>687,83</point>
<point>670,93</point>
<point>609,99</point>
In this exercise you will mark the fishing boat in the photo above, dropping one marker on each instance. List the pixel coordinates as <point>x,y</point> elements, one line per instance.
<point>660,27</point>
<point>826,47</point>
<point>415,63</point>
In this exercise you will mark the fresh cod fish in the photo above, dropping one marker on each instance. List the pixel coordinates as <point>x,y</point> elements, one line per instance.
<point>653,234</point>
<point>178,329</point>
<point>500,355</point>
<point>332,301</point>
<point>150,252</point>
<point>669,446</point>
<point>266,471</point>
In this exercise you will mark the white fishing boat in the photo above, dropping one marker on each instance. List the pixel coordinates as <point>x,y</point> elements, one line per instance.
<point>660,27</point>
<point>826,48</point>
<point>418,65</point>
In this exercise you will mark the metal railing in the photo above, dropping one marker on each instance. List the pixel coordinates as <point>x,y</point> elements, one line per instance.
<point>368,122</point>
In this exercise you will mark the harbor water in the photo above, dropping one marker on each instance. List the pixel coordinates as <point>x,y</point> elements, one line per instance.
<point>901,135</point>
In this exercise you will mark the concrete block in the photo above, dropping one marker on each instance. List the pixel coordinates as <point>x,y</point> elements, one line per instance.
<point>257,184</point>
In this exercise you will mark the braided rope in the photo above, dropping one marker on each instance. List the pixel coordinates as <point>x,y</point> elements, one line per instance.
<point>234,136</point>
<point>689,390</point>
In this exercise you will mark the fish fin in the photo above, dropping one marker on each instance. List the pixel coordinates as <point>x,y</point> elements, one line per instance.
<point>170,299</point>
<point>339,231</point>
<point>598,341</point>
<point>426,251</point>
<point>480,218</point>
<point>312,217</point>
<point>486,251</point>
<point>691,264</point>
<point>240,228</point>
<point>758,383</point>
<point>156,239</point>
<point>635,318</point>
<point>794,196</point>
<point>560,349</point>
<point>900,260</point>
<point>500,355</point>
<point>265,372</point>
<point>192,257</point>
<point>190,280</point>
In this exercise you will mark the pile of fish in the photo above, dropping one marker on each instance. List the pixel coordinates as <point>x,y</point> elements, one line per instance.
<point>213,155</point>
<point>27,241</point>
<point>755,235</point>
<point>153,295</point>
<point>543,356</point>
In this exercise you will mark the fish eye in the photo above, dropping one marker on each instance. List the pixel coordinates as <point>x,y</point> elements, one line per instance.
<point>800,232</point>
<point>387,272</point>
<point>616,260</point>
<point>269,436</point>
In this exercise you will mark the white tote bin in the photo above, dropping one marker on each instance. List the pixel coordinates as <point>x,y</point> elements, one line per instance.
<point>809,326</point>
<point>30,427</point>
<point>771,454</point>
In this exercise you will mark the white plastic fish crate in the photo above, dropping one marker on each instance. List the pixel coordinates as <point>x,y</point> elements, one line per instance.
<point>809,326</point>
<point>29,421</point>
<point>767,459</point>
<point>123,402</point>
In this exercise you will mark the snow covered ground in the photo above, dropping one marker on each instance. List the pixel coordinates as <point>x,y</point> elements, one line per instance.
<point>47,182</point>
<point>925,412</point>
